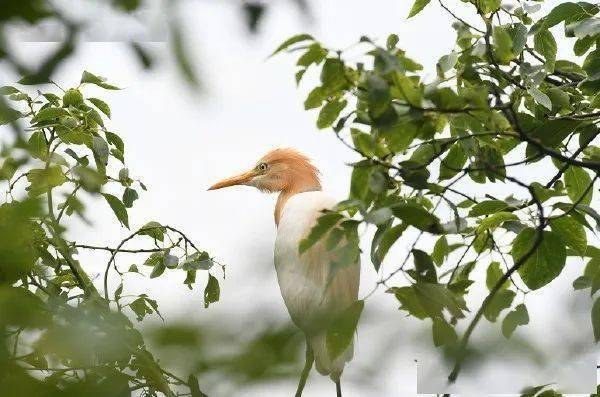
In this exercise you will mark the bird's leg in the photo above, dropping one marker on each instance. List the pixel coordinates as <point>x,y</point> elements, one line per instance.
<point>338,388</point>
<point>310,358</point>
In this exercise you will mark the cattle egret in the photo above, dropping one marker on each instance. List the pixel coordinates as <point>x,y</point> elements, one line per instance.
<point>311,295</point>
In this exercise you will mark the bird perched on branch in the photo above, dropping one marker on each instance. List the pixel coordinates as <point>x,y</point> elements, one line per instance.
<point>314,292</point>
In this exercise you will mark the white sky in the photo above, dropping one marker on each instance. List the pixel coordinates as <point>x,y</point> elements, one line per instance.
<point>179,143</point>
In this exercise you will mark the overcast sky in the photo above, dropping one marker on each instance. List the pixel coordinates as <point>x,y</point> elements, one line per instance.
<point>179,143</point>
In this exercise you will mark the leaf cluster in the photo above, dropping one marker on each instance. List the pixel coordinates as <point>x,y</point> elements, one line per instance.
<point>502,107</point>
<point>59,335</point>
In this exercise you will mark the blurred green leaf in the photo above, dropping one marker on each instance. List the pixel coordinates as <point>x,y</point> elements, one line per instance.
<point>341,332</point>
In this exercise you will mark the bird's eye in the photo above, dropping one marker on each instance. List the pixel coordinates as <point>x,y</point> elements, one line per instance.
<point>262,167</point>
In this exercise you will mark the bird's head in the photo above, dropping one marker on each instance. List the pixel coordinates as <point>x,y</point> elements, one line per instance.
<point>279,170</point>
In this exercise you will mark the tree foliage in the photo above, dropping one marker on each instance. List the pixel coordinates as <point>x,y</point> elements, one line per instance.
<point>34,13</point>
<point>59,333</point>
<point>503,108</point>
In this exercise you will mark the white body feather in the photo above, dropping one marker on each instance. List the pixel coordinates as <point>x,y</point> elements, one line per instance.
<point>303,278</point>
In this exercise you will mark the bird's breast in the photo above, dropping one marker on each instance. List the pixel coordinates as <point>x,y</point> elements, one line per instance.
<point>298,217</point>
<point>301,277</point>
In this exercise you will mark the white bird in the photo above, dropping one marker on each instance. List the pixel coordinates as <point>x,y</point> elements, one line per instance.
<point>311,300</point>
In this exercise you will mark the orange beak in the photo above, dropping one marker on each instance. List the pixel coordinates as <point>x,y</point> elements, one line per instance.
<point>241,179</point>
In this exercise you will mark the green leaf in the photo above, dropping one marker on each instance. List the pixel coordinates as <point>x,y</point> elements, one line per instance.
<point>577,181</point>
<point>545,44</point>
<point>21,308</point>
<point>459,281</point>
<point>37,146</point>
<point>329,113</point>
<point>582,282</point>
<point>333,76</point>
<point>493,221</point>
<point>560,99</point>
<point>424,269</point>
<point>445,98</point>
<point>488,207</point>
<point>118,208</point>
<point>8,90</point>
<point>197,261</point>
<point>115,140</point>
<point>417,216</point>
<point>591,65</point>
<point>377,182</point>
<point>546,262</point>
<point>101,105</point>
<point>553,132</point>
<point>544,194</point>
<point>417,7</point>
<point>8,114</point>
<point>212,291</point>
<point>159,268</point>
<point>502,300</point>
<point>324,223</point>
<point>487,6</point>
<point>582,46</point>
<point>569,67</point>
<point>314,55</point>
<point>383,240</point>
<point>90,78</point>
<point>94,116</point>
<point>436,297</point>
<point>571,231</point>
<point>493,275</point>
<point>447,62</point>
<point>129,196</point>
<point>49,113</point>
<point>503,45</point>
<point>140,308</point>
<point>299,75</point>
<point>379,216</point>
<point>359,183</point>
<point>519,38</point>
<point>568,11</point>
<point>443,333</point>
<point>43,179</point>
<point>315,98</point>
<point>335,236</point>
<point>408,89</point>
<point>517,317</point>
<point>341,332</point>
<point>100,148</point>
<point>540,97</point>
<point>291,41</point>
<point>378,94</point>
<point>409,301</point>
<point>391,41</point>
<point>454,161</point>
<point>440,251</point>
<point>153,229</point>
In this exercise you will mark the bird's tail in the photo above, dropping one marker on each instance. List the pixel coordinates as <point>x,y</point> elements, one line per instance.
<point>323,363</point>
